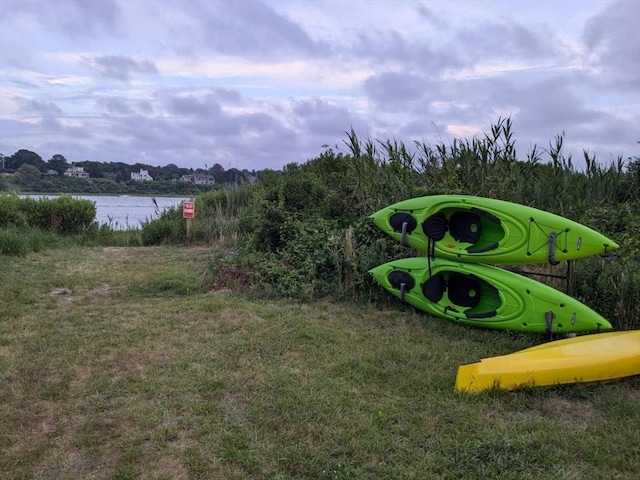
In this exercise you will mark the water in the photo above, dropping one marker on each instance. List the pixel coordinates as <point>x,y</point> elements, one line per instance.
<point>125,212</point>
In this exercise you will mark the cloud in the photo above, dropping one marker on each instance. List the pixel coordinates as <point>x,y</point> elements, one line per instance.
<point>53,125</point>
<point>40,107</point>
<point>613,38</point>
<point>322,118</point>
<point>395,90</point>
<point>206,106</point>
<point>389,47</point>
<point>251,29</point>
<point>73,18</point>
<point>494,39</point>
<point>115,106</point>
<point>122,68</point>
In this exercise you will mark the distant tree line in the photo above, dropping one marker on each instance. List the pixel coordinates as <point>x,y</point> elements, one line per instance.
<point>27,171</point>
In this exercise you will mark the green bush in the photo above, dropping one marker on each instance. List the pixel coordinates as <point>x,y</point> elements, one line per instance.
<point>306,231</point>
<point>63,214</point>
<point>10,212</point>
<point>164,230</point>
<point>611,285</point>
<point>68,215</point>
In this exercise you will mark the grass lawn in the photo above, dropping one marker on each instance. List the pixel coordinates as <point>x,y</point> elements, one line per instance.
<point>120,363</point>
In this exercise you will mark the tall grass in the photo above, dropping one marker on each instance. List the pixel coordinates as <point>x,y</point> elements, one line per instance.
<point>217,219</point>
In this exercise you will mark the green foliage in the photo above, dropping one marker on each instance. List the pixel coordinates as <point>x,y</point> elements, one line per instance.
<point>612,285</point>
<point>24,157</point>
<point>219,215</point>
<point>306,232</point>
<point>58,163</point>
<point>20,241</point>
<point>28,225</point>
<point>167,229</point>
<point>10,212</point>
<point>218,219</point>
<point>63,214</point>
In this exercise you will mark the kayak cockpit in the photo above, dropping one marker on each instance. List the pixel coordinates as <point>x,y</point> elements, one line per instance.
<point>472,230</point>
<point>462,295</point>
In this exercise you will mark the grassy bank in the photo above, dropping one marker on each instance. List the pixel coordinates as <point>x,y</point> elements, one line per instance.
<point>121,363</point>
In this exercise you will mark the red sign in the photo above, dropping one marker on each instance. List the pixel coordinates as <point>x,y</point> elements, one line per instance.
<point>188,209</point>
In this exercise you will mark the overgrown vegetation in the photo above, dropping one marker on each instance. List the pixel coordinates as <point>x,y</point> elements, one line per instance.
<point>305,232</point>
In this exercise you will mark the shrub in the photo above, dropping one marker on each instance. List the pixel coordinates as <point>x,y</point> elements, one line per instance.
<point>164,230</point>
<point>63,214</point>
<point>612,285</point>
<point>10,212</point>
<point>308,235</point>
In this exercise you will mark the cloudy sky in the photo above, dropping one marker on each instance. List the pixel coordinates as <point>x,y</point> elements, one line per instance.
<point>258,84</point>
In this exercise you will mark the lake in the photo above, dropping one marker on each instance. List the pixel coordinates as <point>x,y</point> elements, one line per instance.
<point>123,212</point>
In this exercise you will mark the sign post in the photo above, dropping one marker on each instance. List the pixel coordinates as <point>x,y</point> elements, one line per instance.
<point>188,212</point>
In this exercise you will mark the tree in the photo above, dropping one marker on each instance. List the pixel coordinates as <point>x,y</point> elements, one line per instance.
<point>171,171</point>
<point>58,163</point>
<point>28,177</point>
<point>94,169</point>
<point>22,157</point>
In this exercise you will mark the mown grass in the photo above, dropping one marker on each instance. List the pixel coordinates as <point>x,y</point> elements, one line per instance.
<point>120,363</point>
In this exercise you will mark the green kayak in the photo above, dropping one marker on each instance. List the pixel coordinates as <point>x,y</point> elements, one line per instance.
<point>486,296</point>
<point>484,230</point>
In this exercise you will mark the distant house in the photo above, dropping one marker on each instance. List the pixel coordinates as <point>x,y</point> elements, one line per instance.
<point>143,176</point>
<point>77,172</point>
<point>199,179</point>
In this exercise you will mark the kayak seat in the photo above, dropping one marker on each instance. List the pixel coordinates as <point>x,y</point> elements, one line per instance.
<point>434,288</point>
<point>435,226</point>
<point>465,227</point>
<point>398,277</point>
<point>464,291</point>
<point>484,248</point>
<point>399,218</point>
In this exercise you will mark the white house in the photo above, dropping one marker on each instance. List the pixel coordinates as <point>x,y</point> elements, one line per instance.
<point>199,179</point>
<point>77,172</point>
<point>143,176</point>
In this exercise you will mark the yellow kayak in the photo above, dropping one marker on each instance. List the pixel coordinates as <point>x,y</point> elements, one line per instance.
<point>587,358</point>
